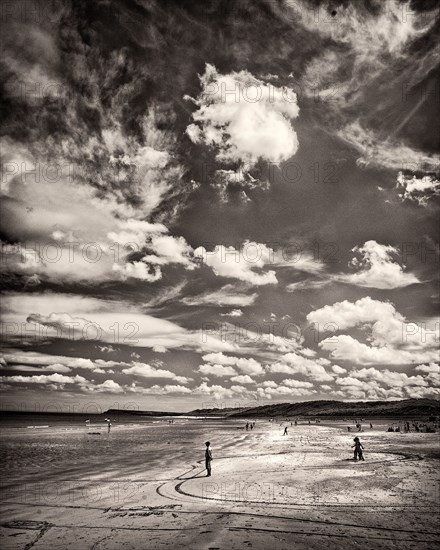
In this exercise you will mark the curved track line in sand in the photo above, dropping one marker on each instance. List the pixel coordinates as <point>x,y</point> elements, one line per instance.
<point>170,491</point>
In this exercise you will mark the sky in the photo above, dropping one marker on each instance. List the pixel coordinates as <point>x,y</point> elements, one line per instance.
<point>210,203</point>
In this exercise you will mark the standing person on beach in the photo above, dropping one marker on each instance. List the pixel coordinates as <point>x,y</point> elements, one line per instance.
<point>208,458</point>
<point>358,449</point>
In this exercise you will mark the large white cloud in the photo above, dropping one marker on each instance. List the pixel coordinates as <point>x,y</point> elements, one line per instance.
<point>378,268</point>
<point>346,348</point>
<point>228,262</point>
<point>243,118</point>
<point>217,370</point>
<point>392,339</point>
<point>99,255</point>
<point>245,365</point>
<point>293,363</point>
<point>348,314</point>
<point>147,371</point>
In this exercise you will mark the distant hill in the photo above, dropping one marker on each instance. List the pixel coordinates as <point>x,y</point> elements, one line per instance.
<point>141,413</point>
<point>404,408</point>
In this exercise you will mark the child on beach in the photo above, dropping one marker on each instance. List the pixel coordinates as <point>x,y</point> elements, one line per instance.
<point>208,458</point>
<point>358,449</point>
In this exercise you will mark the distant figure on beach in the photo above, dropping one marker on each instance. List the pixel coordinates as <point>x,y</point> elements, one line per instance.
<point>252,426</point>
<point>208,458</point>
<point>358,449</point>
<point>371,425</point>
<point>247,426</point>
<point>309,422</point>
<point>285,431</point>
<point>296,423</point>
<point>349,428</point>
<point>109,425</point>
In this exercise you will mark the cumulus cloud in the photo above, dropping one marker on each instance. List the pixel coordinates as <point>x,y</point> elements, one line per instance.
<point>228,262</point>
<point>387,377</point>
<point>147,371</point>
<point>53,381</point>
<point>372,383</point>
<point>217,370</point>
<point>378,268</point>
<point>246,365</point>
<point>284,391</point>
<point>165,389</point>
<point>243,379</point>
<point>347,348</point>
<point>420,190</point>
<point>392,339</point>
<point>75,257</point>
<point>293,363</point>
<point>243,118</point>
<point>432,368</point>
<point>292,383</point>
<point>347,314</point>
<point>138,270</point>
<point>338,370</point>
<point>218,392</point>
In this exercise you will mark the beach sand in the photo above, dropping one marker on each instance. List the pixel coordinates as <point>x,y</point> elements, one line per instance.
<point>144,486</point>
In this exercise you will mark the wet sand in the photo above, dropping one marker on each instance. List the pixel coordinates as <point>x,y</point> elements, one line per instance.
<point>144,486</point>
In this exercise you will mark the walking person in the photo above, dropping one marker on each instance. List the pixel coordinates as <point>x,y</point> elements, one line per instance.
<point>285,431</point>
<point>208,458</point>
<point>358,449</point>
